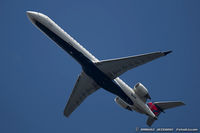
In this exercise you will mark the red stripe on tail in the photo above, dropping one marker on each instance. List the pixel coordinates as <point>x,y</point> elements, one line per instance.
<point>154,108</point>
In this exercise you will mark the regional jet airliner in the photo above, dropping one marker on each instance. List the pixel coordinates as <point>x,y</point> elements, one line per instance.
<point>104,74</point>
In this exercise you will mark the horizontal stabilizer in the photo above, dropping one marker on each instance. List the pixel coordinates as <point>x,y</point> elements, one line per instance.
<point>158,107</point>
<point>116,67</point>
<point>169,104</point>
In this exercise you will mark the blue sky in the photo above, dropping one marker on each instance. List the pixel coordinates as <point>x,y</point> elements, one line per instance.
<point>37,76</point>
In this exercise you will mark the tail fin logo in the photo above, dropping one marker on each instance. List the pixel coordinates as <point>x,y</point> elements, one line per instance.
<point>154,108</point>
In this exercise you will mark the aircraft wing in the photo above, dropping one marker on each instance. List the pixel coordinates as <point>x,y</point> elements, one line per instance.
<point>84,87</point>
<point>116,67</point>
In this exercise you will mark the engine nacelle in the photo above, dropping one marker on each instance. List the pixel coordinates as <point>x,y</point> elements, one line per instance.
<point>141,91</point>
<point>122,104</point>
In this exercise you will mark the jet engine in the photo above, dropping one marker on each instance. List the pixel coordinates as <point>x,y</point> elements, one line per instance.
<point>141,91</point>
<point>122,104</point>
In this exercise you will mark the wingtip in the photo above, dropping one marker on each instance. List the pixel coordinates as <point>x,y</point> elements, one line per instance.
<point>183,103</point>
<point>167,52</point>
<point>66,115</point>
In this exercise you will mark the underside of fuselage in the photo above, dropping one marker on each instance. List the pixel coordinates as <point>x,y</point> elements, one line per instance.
<point>87,65</point>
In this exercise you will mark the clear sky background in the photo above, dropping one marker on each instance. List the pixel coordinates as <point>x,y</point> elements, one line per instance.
<point>37,76</point>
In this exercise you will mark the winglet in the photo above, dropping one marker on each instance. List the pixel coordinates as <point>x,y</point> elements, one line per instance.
<point>167,52</point>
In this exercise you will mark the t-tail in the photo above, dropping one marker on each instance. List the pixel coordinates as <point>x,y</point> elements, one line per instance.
<point>158,107</point>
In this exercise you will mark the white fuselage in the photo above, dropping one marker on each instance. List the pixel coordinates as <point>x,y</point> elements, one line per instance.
<point>35,17</point>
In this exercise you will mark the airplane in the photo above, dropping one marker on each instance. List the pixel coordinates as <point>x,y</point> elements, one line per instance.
<point>104,74</point>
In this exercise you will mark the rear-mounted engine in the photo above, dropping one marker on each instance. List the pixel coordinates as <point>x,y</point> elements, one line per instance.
<point>141,91</point>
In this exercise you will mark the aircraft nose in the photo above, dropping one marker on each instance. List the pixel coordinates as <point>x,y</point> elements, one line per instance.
<point>32,15</point>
